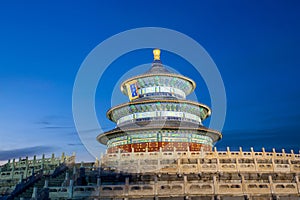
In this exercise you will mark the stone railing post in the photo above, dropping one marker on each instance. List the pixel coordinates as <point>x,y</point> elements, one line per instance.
<point>46,185</point>
<point>96,164</point>
<point>252,152</point>
<point>159,158</point>
<point>70,189</point>
<point>138,166</point>
<point>202,152</point>
<point>98,181</point>
<point>293,154</point>
<point>32,171</point>
<point>185,181</point>
<point>119,154</point>
<point>273,164</point>
<point>34,193</point>
<point>215,151</point>
<point>188,152</point>
<point>283,153</point>
<point>298,184</point>
<point>119,162</point>
<point>63,157</point>
<point>271,185</point>
<point>67,176</point>
<point>244,188</point>
<point>179,165</point>
<point>255,164</point>
<point>274,152</point>
<point>52,158</point>
<point>228,152</point>
<point>241,151</point>
<point>155,186</point>
<point>215,182</point>
<point>34,160</point>
<point>198,166</point>
<point>13,164</point>
<point>126,186</point>
<point>43,159</point>
<point>218,164</point>
<point>21,178</point>
<point>263,152</point>
<point>74,173</point>
<point>26,171</point>
<point>237,164</point>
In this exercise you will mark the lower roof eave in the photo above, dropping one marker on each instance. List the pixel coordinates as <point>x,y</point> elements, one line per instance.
<point>104,137</point>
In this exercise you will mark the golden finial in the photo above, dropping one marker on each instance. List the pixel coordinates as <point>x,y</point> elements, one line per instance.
<point>156,53</point>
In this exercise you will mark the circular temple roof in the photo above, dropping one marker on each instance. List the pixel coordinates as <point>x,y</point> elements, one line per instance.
<point>157,69</point>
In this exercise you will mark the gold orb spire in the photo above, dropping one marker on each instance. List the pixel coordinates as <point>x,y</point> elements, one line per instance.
<point>156,53</point>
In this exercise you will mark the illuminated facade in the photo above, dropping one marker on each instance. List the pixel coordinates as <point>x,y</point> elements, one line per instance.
<point>158,116</point>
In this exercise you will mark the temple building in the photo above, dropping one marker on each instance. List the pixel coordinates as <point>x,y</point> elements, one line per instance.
<point>158,115</point>
<point>158,150</point>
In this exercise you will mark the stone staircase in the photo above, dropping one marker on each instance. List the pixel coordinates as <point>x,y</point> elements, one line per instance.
<point>54,180</point>
<point>27,194</point>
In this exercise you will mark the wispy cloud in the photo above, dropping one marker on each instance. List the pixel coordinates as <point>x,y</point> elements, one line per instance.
<point>22,152</point>
<point>75,144</point>
<point>49,119</point>
<point>56,127</point>
<point>54,122</point>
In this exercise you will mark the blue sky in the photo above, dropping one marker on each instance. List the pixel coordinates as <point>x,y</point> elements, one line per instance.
<point>255,45</point>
